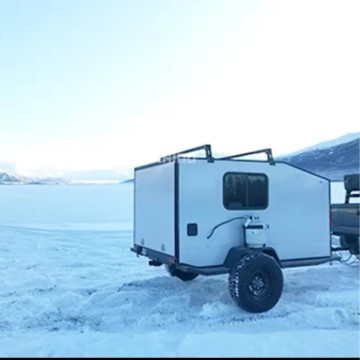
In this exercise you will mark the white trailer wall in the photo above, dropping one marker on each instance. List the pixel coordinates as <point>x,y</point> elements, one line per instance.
<point>154,207</point>
<point>298,212</point>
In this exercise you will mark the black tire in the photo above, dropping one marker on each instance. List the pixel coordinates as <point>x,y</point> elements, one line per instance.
<point>352,182</point>
<point>182,275</point>
<point>256,282</point>
<point>351,243</point>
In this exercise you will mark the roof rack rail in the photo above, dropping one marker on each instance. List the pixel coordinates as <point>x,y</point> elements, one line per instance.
<point>207,148</point>
<point>267,151</point>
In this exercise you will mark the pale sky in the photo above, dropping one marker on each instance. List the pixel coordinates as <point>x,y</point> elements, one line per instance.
<point>88,84</point>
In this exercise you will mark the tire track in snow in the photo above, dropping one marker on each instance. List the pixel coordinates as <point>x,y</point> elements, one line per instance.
<point>69,280</point>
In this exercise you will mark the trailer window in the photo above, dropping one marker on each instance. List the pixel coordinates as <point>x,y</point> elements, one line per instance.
<point>245,191</point>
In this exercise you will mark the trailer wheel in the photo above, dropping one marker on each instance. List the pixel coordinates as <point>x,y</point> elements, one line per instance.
<point>256,282</point>
<point>182,275</point>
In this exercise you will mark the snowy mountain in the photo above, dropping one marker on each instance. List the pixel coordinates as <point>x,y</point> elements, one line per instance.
<point>128,181</point>
<point>70,177</point>
<point>10,179</point>
<point>331,159</point>
<point>329,143</point>
<point>98,176</point>
<point>6,178</point>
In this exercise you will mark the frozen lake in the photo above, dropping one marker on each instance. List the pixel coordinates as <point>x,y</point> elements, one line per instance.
<point>59,204</point>
<point>66,204</point>
<point>70,286</point>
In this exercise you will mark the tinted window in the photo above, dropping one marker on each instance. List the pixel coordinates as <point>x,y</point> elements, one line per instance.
<point>245,191</point>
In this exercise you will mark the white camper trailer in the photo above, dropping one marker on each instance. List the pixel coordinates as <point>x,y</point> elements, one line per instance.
<point>248,218</point>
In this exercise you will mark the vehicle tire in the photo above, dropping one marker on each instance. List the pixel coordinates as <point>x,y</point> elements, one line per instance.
<point>351,243</point>
<point>256,282</point>
<point>182,275</point>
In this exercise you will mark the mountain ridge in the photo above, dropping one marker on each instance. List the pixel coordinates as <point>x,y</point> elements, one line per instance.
<point>331,159</point>
<point>332,162</point>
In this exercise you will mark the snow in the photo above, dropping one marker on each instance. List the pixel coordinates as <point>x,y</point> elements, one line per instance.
<point>330,143</point>
<point>70,286</point>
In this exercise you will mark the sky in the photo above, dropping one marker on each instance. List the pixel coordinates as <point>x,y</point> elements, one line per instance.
<point>101,84</point>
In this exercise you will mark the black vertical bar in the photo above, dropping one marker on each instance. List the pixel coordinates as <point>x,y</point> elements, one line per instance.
<point>330,230</point>
<point>176,210</point>
<point>134,209</point>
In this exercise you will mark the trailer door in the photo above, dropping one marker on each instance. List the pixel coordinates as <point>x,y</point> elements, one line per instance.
<point>155,208</point>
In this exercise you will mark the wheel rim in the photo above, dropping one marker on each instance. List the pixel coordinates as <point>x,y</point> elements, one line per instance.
<point>259,285</point>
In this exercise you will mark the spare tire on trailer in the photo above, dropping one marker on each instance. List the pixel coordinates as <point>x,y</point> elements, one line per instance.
<point>182,275</point>
<point>256,282</point>
<point>351,243</point>
<point>352,182</point>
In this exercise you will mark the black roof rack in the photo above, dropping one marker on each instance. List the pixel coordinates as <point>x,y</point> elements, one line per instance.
<point>268,152</point>
<point>207,148</point>
<point>209,157</point>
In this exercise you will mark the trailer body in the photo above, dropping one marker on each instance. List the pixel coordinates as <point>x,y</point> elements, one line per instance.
<point>179,202</point>
<point>247,218</point>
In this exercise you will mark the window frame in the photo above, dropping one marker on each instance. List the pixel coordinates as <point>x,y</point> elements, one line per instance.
<point>246,174</point>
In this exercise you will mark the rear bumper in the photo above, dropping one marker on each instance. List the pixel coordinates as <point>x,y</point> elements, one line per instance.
<point>154,255</point>
<point>171,260</point>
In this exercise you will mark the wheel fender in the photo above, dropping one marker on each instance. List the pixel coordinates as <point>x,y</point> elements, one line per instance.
<point>234,255</point>
<point>236,252</point>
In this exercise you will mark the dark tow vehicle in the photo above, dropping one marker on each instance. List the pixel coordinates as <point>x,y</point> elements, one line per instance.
<point>345,217</point>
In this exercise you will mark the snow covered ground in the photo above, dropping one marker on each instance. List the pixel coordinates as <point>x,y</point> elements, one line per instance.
<point>69,286</point>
